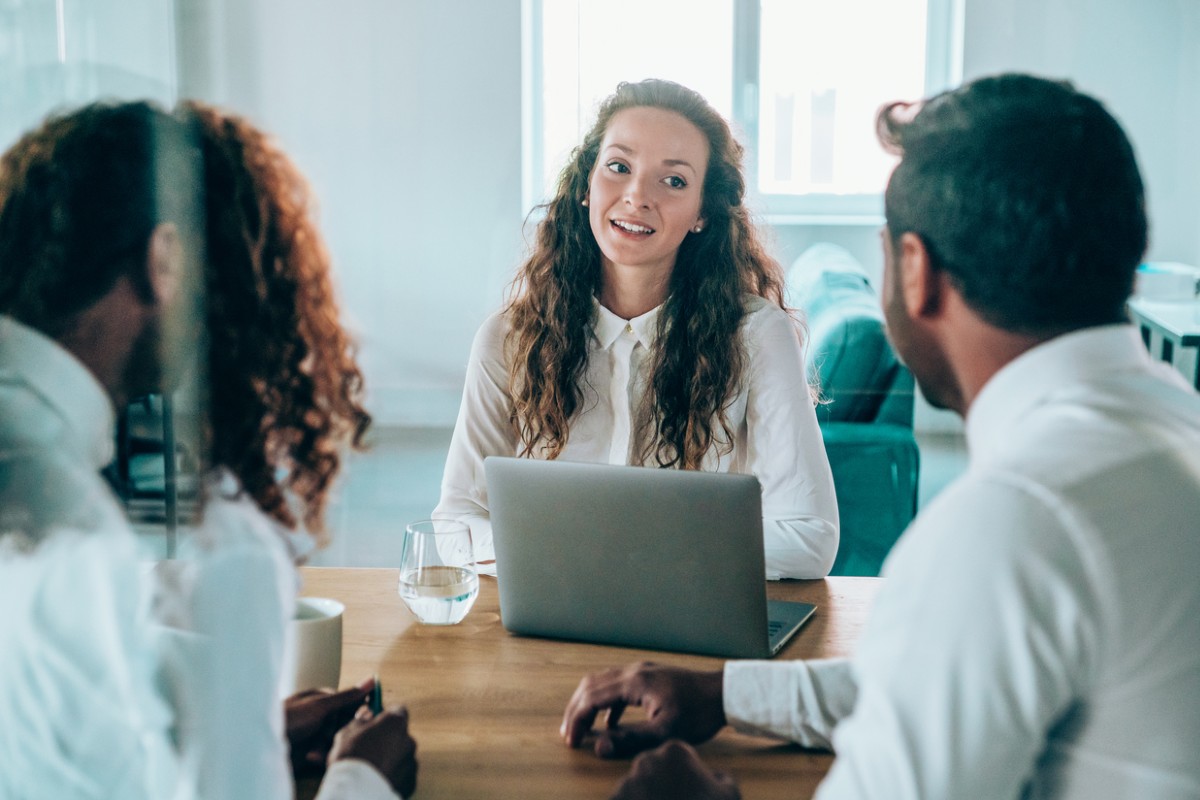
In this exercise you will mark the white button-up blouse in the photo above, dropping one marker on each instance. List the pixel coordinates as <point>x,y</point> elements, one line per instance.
<point>776,437</point>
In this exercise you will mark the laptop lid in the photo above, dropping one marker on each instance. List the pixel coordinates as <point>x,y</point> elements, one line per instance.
<point>651,558</point>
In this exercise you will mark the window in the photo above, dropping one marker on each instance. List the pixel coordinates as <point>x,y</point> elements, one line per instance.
<point>800,79</point>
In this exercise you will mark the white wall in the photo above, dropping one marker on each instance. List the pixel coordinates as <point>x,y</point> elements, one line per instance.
<point>406,117</point>
<point>1142,59</point>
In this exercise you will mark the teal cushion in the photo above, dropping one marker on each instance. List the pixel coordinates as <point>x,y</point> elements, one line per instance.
<point>849,357</point>
<point>876,469</point>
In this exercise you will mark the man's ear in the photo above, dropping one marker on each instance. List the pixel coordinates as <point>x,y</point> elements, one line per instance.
<point>164,263</point>
<point>920,281</point>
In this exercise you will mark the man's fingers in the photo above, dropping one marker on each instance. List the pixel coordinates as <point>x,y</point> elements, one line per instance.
<point>612,689</point>
<point>397,714</point>
<point>628,741</point>
<point>341,704</point>
<point>578,719</point>
<point>614,714</point>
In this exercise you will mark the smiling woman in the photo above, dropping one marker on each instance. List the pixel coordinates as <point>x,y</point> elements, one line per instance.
<point>647,327</point>
<point>644,199</point>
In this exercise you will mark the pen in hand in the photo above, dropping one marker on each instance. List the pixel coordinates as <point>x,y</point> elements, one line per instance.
<point>376,701</point>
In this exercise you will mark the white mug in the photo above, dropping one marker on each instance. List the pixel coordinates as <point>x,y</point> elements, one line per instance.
<point>312,653</point>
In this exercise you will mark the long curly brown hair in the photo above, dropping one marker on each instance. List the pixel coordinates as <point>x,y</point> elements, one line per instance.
<point>285,388</point>
<point>698,364</point>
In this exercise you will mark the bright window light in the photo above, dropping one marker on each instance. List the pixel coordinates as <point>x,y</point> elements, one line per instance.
<point>801,81</point>
<point>825,69</point>
<point>589,46</point>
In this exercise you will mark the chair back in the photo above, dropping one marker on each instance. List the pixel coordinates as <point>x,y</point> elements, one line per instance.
<point>866,408</point>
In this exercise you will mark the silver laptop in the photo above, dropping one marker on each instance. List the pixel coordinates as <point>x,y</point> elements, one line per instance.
<point>651,558</point>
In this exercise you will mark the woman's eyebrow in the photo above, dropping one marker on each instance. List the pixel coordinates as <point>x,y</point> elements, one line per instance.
<point>667,162</point>
<point>678,162</point>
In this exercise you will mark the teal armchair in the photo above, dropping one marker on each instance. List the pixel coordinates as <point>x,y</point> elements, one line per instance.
<point>865,409</point>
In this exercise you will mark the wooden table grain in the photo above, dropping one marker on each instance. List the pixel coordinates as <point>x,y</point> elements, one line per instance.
<point>485,705</point>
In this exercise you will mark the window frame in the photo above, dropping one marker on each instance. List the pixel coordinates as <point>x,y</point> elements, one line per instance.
<point>943,69</point>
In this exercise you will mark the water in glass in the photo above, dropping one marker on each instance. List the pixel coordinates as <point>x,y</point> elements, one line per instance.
<point>438,581</point>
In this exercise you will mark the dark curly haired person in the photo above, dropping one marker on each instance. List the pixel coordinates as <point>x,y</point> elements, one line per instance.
<point>132,240</point>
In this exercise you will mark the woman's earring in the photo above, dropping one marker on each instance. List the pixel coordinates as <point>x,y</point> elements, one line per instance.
<point>583,202</point>
<point>697,229</point>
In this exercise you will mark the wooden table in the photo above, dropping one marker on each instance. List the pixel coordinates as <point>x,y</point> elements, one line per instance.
<point>486,705</point>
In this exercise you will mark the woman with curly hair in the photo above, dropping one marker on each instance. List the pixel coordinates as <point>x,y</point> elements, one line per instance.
<point>284,401</point>
<point>111,218</point>
<point>286,391</point>
<point>648,327</point>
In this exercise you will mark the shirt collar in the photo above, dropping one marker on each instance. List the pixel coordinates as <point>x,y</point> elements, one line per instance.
<point>609,327</point>
<point>63,384</point>
<point>1032,378</point>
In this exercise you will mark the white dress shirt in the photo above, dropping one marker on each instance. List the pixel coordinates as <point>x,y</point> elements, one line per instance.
<point>80,716</point>
<point>1038,634</point>
<point>100,697</point>
<point>776,437</point>
<point>234,590</point>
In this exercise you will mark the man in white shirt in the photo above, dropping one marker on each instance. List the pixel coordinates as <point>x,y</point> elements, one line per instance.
<point>97,212</point>
<point>1038,634</point>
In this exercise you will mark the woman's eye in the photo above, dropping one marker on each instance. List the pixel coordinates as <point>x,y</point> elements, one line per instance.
<point>675,182</point>
<point>616,166</point>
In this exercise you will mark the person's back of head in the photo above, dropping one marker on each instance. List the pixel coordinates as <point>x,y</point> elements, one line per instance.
<point>1027,193</point>
<point>79,199</point>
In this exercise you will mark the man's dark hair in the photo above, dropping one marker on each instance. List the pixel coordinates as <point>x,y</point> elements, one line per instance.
<point>79,198</point>
<point>1026,192</point>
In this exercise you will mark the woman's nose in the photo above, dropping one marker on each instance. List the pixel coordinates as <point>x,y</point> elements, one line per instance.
<point>637,194</point>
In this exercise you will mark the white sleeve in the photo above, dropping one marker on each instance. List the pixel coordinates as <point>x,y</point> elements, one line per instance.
<point>240,603</point>
<point>352,779</point>
<point>801,701</point>
<point>984,632</point>
<point>787,454</point>
<point>85,718</point>
<point>483,429</point>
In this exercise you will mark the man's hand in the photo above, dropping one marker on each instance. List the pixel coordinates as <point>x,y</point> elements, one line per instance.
<point>679,704</point>
<point>674,770</point>
<point>383,742</point>
<point>312,718</point>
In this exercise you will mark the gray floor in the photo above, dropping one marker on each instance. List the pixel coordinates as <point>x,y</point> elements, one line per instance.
<point>397,481</point>
<point>394,482</point>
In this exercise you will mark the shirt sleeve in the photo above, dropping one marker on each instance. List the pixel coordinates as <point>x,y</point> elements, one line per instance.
<point>483,429</point>
<point>82,683</point>
<point>353,779</point>
<point>983,635</point>
<point>800,701</point>
<point>786,453</point>
<point>242,596</point>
